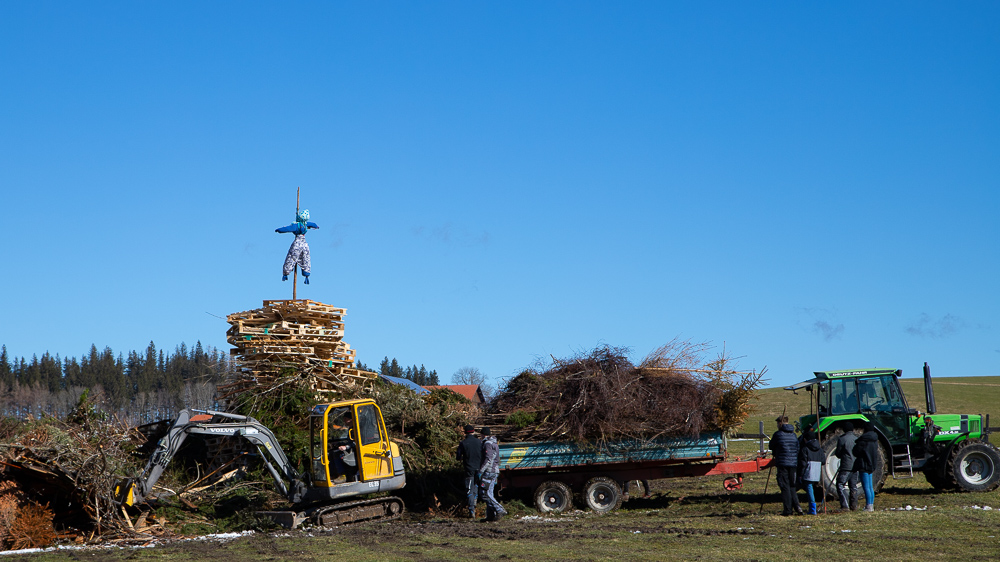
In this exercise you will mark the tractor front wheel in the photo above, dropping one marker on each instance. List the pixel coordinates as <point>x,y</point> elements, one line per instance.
<point>975,466</point>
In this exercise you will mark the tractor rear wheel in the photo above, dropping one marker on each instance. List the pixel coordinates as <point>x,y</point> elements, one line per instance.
<point>831,465</point>
<point>975,466</point>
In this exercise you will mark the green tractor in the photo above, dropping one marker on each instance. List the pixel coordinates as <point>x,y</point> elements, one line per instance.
<point>953,451</point>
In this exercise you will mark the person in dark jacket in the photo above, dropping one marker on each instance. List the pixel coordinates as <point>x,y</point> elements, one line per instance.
<point>865,452</point>
<point>470,452</point>
<point>785,448</point>
<point>847,479</point>
<point>810,465</point>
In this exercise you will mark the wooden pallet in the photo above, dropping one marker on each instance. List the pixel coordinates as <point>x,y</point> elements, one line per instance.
<point>303,335</point>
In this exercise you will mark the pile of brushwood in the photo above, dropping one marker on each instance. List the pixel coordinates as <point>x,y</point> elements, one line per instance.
<point>57,478</point>
<point>601,396</point>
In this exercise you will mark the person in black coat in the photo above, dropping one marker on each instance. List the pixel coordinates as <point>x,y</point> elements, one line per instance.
<point>847,478</point>
<point>785,448</point>
<point>470,452</point>
<point>865,453</point>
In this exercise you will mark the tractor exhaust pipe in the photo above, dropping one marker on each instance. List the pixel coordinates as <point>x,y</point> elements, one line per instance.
<point>929,389</point>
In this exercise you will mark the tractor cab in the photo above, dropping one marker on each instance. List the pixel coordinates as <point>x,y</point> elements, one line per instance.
<point>865,395</point>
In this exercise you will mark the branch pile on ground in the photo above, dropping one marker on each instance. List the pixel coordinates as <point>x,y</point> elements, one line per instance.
<point>602,396</point>
<point>58,480</point>
<point>291,339</point>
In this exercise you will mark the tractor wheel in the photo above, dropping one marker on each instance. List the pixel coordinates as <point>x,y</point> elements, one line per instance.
<point>933,475</point>
<point>881,469</point>
<point>975,466</point>
<point>831,465</point>
<point>553,497</point>
<point>602,495</point>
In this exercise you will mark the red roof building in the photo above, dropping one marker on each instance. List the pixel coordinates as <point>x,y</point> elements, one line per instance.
<point>470,391</point>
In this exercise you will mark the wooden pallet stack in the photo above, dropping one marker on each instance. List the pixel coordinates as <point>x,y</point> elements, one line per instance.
<point>302,335</point>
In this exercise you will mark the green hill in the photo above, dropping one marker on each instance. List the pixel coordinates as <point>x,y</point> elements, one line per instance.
<point>953,395</point>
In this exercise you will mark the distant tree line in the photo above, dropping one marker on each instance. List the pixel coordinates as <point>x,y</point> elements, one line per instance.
<point>392,368</point>
<point>141,387</point>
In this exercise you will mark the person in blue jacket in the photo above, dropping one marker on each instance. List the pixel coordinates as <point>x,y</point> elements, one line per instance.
<point>298,252</point>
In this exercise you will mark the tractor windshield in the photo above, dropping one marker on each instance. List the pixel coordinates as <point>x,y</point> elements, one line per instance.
<point>879,393</point>
<point>883,403</point>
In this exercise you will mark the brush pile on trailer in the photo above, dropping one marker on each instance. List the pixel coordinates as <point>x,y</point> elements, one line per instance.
<point>601,396</point>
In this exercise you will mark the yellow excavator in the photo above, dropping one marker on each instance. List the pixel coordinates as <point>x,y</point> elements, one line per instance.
<point>352,457</point>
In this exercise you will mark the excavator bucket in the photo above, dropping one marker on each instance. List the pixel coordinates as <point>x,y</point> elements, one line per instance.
<point>125,492</point>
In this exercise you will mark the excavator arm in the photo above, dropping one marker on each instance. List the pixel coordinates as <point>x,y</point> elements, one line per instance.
<point>138,489</point>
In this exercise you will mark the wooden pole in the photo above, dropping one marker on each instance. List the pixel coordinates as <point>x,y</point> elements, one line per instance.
<point>295,276</point>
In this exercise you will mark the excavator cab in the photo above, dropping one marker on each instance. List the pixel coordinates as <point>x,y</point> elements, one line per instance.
<point>349,445</point>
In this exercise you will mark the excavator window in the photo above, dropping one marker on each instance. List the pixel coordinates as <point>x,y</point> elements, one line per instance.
<point>368,422</point>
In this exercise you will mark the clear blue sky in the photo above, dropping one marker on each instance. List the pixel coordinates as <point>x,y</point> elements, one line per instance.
<point>815,185</point>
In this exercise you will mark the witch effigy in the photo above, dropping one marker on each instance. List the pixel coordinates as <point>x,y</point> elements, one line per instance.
<point>298,252</point>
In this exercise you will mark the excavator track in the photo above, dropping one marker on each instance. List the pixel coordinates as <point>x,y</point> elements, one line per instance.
<point>377,509</point>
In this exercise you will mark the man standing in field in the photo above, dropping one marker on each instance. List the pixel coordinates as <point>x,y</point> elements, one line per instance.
<point>847,479</point>
<point>490,471</point>
<point>785,448</point>
<point>470,452</point>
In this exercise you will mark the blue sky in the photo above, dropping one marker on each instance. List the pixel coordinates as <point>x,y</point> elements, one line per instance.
<point>814,186</point>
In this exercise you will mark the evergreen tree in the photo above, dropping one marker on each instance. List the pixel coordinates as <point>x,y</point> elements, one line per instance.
<point>149,372</point>
<point>391,368</point>
<point>30,374</point>
<point>419,375</point>
<point>71,371</point>
<point>6,372</point>
<point>50,372</point>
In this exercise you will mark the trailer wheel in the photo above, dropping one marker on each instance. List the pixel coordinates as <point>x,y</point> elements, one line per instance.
<point>975,466</point>
<point>602,495</point>
<point>553,497</point>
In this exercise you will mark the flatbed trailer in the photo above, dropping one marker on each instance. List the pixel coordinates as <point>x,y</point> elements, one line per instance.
<point>555,471</point>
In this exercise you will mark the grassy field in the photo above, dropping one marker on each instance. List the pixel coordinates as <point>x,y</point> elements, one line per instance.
<point>953,395</point>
